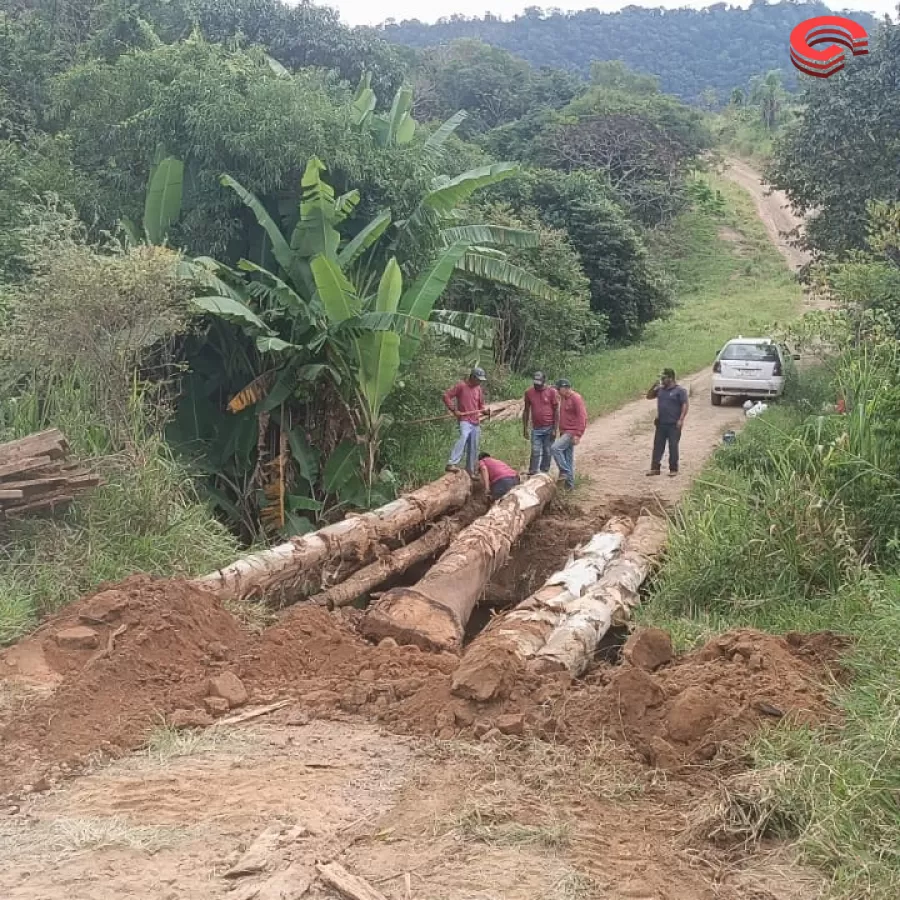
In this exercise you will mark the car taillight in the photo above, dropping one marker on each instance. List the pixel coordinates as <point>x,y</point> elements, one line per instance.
<point>777,371</point>
<point>717,367</point>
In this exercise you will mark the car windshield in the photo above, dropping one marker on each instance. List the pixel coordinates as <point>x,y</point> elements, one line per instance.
<point>750,352</point>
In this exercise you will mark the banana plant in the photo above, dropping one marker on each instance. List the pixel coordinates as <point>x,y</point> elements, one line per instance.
<point>162,203</point>
<point>316,318</point>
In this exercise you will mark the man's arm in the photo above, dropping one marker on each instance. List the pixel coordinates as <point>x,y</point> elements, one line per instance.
<point>651,394</point>
<point>526,413</point>
<point>556,406</point>
<point>449,396</point>
<point>684,411</point>
<point>485,478</point>
<point>581,423</point>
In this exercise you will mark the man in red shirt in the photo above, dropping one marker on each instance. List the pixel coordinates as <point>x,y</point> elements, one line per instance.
<point>572,425</point>
<point>497,477</point>
<point>542,412</point>
<point>466,401</point>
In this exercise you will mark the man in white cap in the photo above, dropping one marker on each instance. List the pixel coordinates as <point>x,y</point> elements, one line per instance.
<point>466,401</point>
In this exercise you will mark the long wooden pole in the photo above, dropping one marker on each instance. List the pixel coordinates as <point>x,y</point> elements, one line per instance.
<point>430,544</point>
<point>494,660</point>
<point>295,563</point>
<point>433,613</point>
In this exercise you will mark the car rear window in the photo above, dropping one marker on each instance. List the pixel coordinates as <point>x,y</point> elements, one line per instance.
<point>750,352</point>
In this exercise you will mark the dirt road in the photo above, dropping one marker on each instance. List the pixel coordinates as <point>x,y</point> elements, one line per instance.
<point>615,451</point>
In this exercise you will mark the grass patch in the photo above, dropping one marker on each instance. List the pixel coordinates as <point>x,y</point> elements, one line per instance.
<point>145,517</point>
<point>64,837</point>
<point>794,528</point>
<point>723,288</point>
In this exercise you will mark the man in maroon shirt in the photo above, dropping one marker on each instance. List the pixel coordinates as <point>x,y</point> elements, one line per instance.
<point>542,412</point>
<point>466,401</point>
<point>572,425</point>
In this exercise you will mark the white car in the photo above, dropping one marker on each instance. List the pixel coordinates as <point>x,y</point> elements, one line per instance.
<point>749,368</point>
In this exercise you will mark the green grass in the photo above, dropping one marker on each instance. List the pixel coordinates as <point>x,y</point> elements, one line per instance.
<point>145,517</point>
<point>780,533</point>
<point>726,285</point>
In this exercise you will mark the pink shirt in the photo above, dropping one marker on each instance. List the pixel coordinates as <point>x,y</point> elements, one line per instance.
<point>543,403</point>
<point>496,469</point>
<point>468,400</point>
<point>572,415</point>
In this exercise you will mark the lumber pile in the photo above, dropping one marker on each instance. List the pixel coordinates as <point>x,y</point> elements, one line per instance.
<point>36,475</point>
<point>561,625</point>
<point>433,613</point>
<point>286,570</point>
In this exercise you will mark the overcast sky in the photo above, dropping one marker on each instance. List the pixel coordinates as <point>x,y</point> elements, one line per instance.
<point>373,12</point>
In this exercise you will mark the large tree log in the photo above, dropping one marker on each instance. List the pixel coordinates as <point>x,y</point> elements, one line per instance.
<point>573,644</point>
<point>430,544</point>
<point>283,568</point>
<point>433,613</point>
<point>493,661</point>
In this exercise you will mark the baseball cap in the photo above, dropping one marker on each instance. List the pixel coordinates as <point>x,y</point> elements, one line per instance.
<point>668,373</point>
<point>563,383</point>
<point>478,373</point>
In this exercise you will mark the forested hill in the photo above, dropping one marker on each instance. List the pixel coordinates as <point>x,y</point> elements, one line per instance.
<point>720,47</point>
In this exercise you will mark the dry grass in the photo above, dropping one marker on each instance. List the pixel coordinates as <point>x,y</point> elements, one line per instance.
<point>744,809</point>
<point>63,837</point>
<point>168,743</point>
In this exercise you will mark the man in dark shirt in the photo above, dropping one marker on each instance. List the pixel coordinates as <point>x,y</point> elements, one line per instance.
<point>671,409</point>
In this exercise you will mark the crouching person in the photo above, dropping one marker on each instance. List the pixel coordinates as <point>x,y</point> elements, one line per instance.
<point>497,477</point>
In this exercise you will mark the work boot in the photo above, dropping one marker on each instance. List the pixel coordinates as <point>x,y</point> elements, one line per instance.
<point>451,468</point>
<point>673,473</point>
<point>653,472</point>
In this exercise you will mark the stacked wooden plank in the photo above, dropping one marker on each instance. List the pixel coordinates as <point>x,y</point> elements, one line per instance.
<point>36,475</point>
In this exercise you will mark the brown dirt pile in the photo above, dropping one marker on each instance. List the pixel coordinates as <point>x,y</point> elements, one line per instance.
<point>121,659</point>
<point>176,638</point>
<point>703,705</point>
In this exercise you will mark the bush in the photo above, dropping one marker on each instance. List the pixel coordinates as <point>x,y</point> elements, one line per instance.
<point>77,332</point>
<point>534,332</point>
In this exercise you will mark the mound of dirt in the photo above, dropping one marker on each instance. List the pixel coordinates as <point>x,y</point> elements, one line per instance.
<point>701,706</point>
<point>121,659</point>
<point>120,662</point>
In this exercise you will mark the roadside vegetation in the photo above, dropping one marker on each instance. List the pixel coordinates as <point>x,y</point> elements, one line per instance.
<point>796,527</point>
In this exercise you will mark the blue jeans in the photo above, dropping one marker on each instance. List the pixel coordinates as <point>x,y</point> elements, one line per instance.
<point>467,443</point>
<point>563,451</point>
<point>541,442</point>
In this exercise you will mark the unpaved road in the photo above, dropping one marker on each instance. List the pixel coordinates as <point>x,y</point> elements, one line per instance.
<point>614,453</point>
<point>486,821</point>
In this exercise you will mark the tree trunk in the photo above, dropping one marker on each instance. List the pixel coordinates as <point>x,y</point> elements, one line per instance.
<point>573,643</point>
<point>431,543</point>
<point>494,660</point>
<point>433,613</point>
<point>286,567</point>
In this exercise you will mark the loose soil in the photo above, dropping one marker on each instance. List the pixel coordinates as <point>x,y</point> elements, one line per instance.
<point>171,639</point>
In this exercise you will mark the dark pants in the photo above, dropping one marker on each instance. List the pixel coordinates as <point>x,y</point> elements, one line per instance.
<point>666,434</point>
<point>502,486</point>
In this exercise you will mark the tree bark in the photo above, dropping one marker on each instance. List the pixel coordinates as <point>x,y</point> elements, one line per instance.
<point>573,643</point>
<point>282,569</point>
<point>347,884</point>
<point>431,543</point>
<point>494,660</point>
<point>433,613</point>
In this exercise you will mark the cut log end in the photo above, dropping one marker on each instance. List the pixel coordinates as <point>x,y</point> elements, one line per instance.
<point>409,617</point>
<point>487,673</point>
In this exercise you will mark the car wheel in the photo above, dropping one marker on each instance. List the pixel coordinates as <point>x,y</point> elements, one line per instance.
<point>715,399</point>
